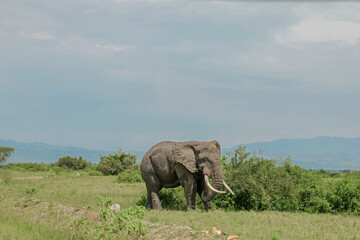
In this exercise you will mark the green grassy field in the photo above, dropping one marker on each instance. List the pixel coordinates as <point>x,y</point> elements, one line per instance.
<point>42,206</point>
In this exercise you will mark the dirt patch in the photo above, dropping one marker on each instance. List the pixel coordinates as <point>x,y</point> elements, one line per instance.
<point>159,231</point>
<point>44,210</point>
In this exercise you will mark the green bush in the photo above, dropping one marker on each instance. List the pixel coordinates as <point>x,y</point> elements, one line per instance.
<point>94,173</point>
<point>263,184</point>
<point>170,198</point>
<point>344,195</point>
<point>28,167</point>
<point>130,175</point>
<point>173,198</point>
<point>73,163</point>
<point>51,173</point>
<point>31,190</point>
<point>117,163</point>
<point>56,169</point>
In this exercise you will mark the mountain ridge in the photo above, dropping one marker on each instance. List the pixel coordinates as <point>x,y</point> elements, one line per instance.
<point>47,153</point>
<point>333,153</point>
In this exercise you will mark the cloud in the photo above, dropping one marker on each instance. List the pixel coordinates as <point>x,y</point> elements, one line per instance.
<point>119,48</point>
<point>37,35</point>
<point>317,30</point>
<point>322,23</point>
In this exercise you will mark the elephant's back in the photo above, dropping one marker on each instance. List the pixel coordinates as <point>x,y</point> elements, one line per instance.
<point>158,160</point>
<point>164,146</point>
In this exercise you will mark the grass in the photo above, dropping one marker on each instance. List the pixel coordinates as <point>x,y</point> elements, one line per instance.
<point>30,209</point>
<point>69,189</point>
<point>15,227</point>
<point>265,225</point>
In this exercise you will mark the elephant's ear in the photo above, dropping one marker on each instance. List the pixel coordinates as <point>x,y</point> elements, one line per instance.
<point>216,144</point>
<point>185,155</point>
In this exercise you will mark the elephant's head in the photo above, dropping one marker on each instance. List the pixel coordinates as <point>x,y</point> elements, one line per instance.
<point>203,157</point>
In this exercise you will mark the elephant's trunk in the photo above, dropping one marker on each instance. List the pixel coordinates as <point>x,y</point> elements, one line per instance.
<point>217,183</point>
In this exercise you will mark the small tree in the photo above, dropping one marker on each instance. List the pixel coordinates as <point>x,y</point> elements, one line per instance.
<point>5,152</point>
<point>114,164</point>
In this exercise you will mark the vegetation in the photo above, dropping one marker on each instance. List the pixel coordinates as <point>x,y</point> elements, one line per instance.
<point>279,200</point>
<point>117,163</point>
<point>51,169</point>
<point>130,175</point>
<point>263,184</point>
<point>5,152</point>
<point>28,167</point>
<point>112,224</point>
<point>73,163</point>
<point>50,208</point>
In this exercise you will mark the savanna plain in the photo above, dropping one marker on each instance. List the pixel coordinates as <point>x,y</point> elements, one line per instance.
<point>73,205</point>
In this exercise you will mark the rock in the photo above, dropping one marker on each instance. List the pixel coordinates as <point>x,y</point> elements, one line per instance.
<point>207,233</point>
<point>214,230</point>
<point>233,237</point>
<point>115,207</point>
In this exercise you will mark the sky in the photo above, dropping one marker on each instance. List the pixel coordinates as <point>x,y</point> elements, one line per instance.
<point>109,74</point>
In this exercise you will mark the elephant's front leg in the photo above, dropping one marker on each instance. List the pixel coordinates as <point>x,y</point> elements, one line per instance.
<point>203,187</point>
<point>190,194</point>
<point>187,180</point>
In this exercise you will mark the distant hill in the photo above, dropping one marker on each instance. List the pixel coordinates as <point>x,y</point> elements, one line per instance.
<point>45,153</point>
<point>332,153</point>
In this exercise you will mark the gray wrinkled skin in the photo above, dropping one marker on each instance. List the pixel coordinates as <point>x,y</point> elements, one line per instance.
<point>171,164</point>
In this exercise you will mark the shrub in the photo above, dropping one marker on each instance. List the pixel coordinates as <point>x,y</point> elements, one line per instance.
<point>51,173</point>
<point>344,195</point>
<point>73,163</point>
<point>173,198</point>
<point>31,190</point>
<point>56,169</point>
<point>263,184</point>
<point>113,225</point>
<point>114,164</point>
<point>170,198</point>
<point>27,167</point>
<point>94,173</point>
<point>130,175</point>
<point>258,184</point>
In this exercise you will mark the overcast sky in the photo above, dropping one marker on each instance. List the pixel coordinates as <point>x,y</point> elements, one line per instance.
<point>107,74</point>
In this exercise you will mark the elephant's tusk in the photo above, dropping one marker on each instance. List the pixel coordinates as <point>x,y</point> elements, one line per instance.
<point>211,187</point>
<point>227,187</point>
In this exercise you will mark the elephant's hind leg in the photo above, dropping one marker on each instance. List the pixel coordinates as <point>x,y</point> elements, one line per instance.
<point>148,204</point>
<point>153,186</point>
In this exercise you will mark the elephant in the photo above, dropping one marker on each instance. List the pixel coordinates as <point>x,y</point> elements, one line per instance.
<point>189,164</point>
